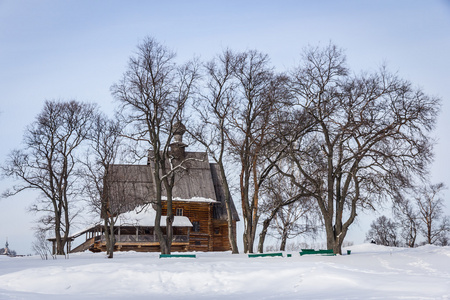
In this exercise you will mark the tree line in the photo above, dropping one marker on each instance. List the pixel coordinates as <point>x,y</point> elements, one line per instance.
<point>310,147</point>
<point>419,214</point>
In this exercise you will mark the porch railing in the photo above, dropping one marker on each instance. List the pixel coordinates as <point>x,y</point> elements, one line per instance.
<point>132,238</point>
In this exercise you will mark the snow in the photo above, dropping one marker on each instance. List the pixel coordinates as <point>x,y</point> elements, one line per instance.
<point>370,272</point>
<point>140,216</point>
<point>146,217</point>
<point>80,232</point>
<point>193,199</point>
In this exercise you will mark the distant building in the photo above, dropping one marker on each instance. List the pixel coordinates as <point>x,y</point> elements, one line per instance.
<point>200,222</point>
<point>6,251</point>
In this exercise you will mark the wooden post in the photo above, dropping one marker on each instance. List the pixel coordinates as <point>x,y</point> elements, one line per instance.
<point>210,229</point>
<point>189,239</point>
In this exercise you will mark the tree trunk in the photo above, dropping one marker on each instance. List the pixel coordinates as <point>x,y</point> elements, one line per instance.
<point>107,234</point>
<point>248,240</point>
<point>59,245</point>
<point>249,230</point>
<point>262,235</point>
<point>335,239</point>
<point>244,241</point>
<point>59,242</point>
<point>158,230</point>
<point>331,238</point>
<point>429,239</point>
<point>284,239</point>
<point>231,229</point>
<point>253,229</point>
<point>112,239</point>
<point>169,220</point>
<point>413,238</point>
<point>246,226</point>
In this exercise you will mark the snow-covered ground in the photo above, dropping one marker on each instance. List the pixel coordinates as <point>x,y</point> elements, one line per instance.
<point>370,272</point>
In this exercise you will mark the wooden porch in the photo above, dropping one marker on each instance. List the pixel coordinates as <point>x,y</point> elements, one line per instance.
<point>132,238</point>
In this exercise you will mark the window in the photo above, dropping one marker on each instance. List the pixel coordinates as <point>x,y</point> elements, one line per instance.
<point>179,212</point>
<point>196,226</point>
<point>217,230</point>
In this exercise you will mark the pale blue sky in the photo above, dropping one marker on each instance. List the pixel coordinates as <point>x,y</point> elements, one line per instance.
<point>78,49</point>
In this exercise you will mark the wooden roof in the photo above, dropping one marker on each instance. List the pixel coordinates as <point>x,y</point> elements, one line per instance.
<point>129,186</point>
<point>198,180</point>
<point>219,209</point>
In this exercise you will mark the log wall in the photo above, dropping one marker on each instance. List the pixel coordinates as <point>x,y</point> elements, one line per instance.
<point>212,234</point>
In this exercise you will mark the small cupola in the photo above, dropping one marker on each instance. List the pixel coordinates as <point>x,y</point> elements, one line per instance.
<point>177,146</point>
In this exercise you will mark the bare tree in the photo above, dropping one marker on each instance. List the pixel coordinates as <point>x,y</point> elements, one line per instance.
<point>47,163</point>
<point>436,226</point>
<point>408,220</point>
<point>384,232</point>
<point>285,186</point>
<point>286,205</point>
<point>286,210</point>
<point>153,94</point>
<point>103,152</point>
<point>41,246</point>
<point>261,95</point>
<point>371,136</point>
<point>295,219</point>
<point>444,239</point>
<point>215,108</point>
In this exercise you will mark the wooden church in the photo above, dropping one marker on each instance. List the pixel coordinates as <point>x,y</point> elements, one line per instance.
<point>200,222</point>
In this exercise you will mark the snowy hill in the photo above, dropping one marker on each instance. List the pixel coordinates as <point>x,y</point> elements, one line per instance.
<point>370,272</point>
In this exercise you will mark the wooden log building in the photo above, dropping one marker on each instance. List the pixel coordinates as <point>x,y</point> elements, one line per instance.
<point>200,222</point>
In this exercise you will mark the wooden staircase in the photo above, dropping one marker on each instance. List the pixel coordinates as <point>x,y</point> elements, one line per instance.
<point>83,247</point>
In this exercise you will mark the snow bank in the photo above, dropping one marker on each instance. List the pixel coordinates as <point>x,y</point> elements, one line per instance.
<point>371,271</point>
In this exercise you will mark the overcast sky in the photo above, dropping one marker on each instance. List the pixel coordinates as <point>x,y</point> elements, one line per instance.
<point>78,49</point>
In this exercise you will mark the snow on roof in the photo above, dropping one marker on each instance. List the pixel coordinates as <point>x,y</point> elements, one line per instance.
<point>80,232</point>
<point>140,216</point>
<point>145,216</point>
<point>193,199</point>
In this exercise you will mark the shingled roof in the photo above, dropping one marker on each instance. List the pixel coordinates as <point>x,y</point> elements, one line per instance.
<point>198,180</point>
<point>129,186</point>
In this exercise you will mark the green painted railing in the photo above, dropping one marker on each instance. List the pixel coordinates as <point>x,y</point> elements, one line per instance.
<point>177,255</point>
<point>265,254</point>
<point>320,252</point>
